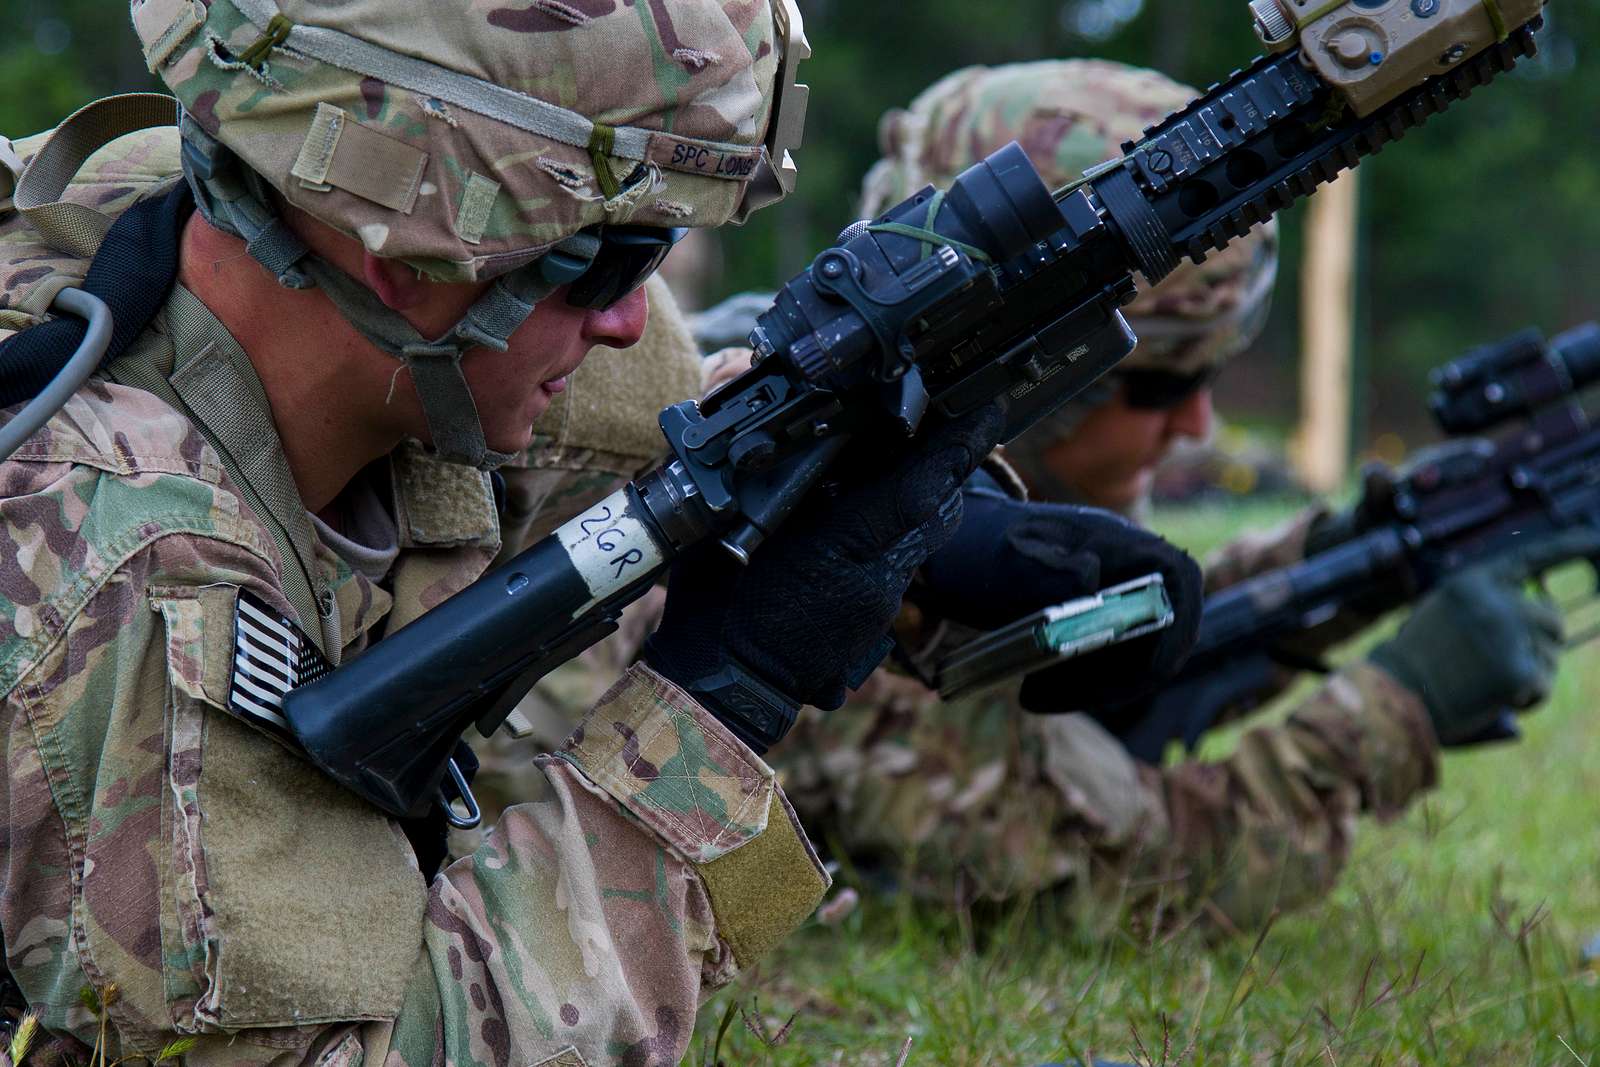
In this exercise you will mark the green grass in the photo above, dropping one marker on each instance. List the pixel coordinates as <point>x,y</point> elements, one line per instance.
<point>1454,938</point>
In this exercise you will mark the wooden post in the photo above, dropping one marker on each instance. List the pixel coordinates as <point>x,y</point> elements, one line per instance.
<point>1327,318</point>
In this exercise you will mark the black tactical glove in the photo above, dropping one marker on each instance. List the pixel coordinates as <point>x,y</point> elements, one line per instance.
<point>1011,557</point>
<point>1477,644</point>
<point>807,618</point>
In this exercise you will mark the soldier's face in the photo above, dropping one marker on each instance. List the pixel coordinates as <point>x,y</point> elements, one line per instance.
<point>510,389</point>
<point>514,387</point>
<point>1110,458</point>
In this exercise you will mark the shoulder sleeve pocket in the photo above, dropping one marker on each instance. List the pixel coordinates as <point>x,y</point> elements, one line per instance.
<point>291,900</point>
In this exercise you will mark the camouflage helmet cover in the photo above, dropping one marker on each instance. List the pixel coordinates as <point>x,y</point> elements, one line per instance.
<point>468,138</point>
<point>1070,115</point>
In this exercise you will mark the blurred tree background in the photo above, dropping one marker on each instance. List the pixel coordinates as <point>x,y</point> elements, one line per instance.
<point>1481,223</point>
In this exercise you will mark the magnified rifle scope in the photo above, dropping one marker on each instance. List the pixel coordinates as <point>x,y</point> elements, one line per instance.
<point>1513,378</point>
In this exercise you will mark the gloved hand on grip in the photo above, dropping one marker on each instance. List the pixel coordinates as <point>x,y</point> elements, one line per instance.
<point>1479,644</point>
<point>1011,558</point>
<point>807,617</point>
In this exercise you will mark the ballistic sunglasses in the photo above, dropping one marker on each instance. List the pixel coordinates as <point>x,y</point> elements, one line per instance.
<point>1159,390</point>
<point>628,255</point>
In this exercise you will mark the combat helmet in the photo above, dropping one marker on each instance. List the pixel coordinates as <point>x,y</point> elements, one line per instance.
<point>538,146</point>
<point>1070,115</point>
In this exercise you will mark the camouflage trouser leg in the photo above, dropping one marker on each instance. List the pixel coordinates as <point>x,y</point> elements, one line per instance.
<point>978,799</point>
<point>957,800</point>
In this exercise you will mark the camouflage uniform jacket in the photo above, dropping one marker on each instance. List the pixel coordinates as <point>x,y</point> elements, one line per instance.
<point>201,879</point>
<point>980,799</point>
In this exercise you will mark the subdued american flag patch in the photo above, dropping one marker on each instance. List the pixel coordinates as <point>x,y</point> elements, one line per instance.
<point>271,656</point>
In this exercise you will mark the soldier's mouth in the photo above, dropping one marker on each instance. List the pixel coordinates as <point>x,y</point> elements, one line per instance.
<point>555,385</point>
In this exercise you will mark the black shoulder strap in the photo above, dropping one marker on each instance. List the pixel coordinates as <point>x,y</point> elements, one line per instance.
<point>133,272</point>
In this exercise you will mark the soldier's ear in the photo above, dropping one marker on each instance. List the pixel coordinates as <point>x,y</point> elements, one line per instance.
<point>399,286</point>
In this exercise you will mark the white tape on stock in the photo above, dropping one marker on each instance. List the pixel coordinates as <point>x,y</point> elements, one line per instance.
<point>610,546</point>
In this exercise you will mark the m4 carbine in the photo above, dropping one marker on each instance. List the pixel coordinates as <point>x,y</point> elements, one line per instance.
<point>998,287</point>
<point>1474,498</point>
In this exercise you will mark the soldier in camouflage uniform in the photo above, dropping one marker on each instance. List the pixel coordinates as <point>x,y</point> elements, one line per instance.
<point>283,449</point>
<point>977,799</point>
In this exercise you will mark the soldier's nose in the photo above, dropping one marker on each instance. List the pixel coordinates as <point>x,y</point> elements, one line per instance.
<point>1193,417</point>
<point>620,325</point>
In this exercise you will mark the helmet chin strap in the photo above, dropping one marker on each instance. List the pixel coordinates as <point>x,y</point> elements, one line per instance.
<point>435,365</point>
<point>234,199</point>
